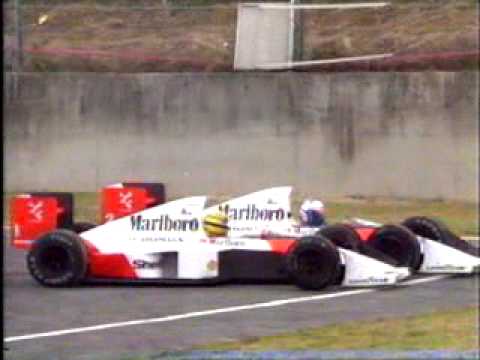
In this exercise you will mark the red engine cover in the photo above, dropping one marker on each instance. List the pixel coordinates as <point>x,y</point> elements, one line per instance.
<point>365,233</point>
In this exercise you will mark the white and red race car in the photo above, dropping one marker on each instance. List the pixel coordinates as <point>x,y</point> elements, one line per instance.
<point>422,244</point>
<point>168,243</point>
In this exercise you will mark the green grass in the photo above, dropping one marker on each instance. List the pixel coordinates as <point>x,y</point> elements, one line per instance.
<point>461,217</point>
<point>453,330</point>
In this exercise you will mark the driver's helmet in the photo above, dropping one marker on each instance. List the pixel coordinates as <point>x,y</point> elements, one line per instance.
<point>312,213</point>
<point>215,224</point>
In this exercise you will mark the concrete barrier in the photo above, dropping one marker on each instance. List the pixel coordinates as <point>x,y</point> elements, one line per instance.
<point>382,134</point>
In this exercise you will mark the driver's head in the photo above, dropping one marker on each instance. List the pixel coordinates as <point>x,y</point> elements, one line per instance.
<point>215,224</point>
<point>312,213</point>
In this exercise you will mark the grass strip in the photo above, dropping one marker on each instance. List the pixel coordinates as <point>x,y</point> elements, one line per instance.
<point>454,330</point>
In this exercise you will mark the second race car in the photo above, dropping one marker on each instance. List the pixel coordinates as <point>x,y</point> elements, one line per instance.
<point>420,243</point>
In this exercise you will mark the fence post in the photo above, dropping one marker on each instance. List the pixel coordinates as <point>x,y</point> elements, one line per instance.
<point>296,32</point>
<point>18,62</point>
<point>165,6</point>
<point>291,34</point>
<point>299,34</point>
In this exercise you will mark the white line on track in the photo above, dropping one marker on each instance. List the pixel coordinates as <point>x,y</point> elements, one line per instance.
<point>205,313</point>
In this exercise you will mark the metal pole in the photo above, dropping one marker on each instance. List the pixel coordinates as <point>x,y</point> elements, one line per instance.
<point>165,6</point>
<point>291,37</point>
<point>18,64</point>
<point>299,35</point>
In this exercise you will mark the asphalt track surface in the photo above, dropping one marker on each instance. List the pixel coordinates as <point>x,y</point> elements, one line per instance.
<point>30,309</point>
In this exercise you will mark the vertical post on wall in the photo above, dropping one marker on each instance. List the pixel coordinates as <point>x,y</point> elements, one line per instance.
<point>299,34</point>
<point>291,35</point>
<point>166,7</point>
<point>18,62</point>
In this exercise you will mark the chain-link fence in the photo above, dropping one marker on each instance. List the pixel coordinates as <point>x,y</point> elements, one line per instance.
<point>200,35</point>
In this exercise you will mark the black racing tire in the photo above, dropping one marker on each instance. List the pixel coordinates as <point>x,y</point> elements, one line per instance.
<point>399,243</point>
<point>342,235</point>
<point>58,259</point>
<point>345,236</point>
<point>313,263</point>
<point>434,229</point>
<point>80,227</point>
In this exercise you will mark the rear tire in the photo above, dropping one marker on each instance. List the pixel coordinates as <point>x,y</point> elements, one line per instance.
<point>344,236</point>
<point>399,243</point>
<point>313,263</point>
<point>58,259</point>
<point>434,229</point>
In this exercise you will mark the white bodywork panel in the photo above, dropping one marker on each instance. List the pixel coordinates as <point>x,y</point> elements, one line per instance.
<point>252,214</point>
<point>361,270</point>
<point>364,222</point>
<point>161,228</point>
<point>441,258</point>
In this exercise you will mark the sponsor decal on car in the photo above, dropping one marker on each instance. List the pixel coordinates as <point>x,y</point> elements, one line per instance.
<point>227,242</point>
<point>251,212</point>
<point>163,223</point>
<point>143,264</point>
<point>160,239</point>
<point>369,280</point>
<point>126,199</point>
<point>445,268</point>
<point>36,209</point>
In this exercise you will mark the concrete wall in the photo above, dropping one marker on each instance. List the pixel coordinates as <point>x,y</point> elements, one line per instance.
<point>388,134</point>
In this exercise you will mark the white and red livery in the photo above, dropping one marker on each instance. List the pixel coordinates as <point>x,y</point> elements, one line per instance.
<point>166,243</point>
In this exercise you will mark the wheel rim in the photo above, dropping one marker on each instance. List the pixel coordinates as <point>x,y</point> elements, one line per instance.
<point>308,263</point>
<point>54,262</point>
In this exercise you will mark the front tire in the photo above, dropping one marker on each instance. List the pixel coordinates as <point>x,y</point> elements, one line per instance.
<point>343,236</point>
<point>313,263</point>
<point>58,259</point>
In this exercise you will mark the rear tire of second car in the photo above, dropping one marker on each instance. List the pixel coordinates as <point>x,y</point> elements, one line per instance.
<point>399,243</point>
<point>313,263</point>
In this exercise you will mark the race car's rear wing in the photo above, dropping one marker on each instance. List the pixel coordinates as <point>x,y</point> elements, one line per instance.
<point>33,214</point>
<point>36,213</point>
<point>123,199</point>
